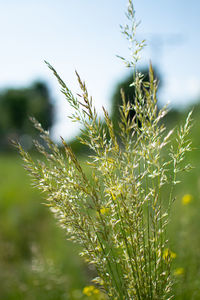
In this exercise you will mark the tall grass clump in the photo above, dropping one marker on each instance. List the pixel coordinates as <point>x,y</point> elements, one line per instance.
<point>119,214</point>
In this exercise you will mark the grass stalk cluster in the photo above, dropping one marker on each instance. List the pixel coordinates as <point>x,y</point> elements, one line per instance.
<point>119,214</point>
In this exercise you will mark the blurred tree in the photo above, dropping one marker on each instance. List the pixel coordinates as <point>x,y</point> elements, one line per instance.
<point>129,92</point>
<point>17,105</point>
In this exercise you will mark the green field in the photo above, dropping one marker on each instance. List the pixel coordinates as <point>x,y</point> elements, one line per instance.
<point>36,261</point>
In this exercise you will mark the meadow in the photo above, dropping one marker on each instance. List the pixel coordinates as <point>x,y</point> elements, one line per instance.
<point>36,261</point>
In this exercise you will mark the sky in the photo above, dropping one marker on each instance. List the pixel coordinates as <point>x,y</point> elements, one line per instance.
<point>84,35</point>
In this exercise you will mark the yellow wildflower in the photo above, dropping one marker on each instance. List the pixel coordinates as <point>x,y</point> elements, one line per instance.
<point>104,210</point>
<point>90,290</point>
<point>179,271</point>
<point>187,198</point>
<point>173,254</point>
<point>168,254</point>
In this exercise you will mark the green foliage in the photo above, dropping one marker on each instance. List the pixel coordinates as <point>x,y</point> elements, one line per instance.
<point>16,105</point>
<point>119,214</point>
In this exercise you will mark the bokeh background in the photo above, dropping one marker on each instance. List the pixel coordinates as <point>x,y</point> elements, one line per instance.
<point>36,261</point>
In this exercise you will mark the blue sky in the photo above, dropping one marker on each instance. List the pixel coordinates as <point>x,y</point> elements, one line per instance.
<point>85,35</point>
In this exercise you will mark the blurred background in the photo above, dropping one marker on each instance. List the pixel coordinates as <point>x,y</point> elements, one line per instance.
<point>36,262</point>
